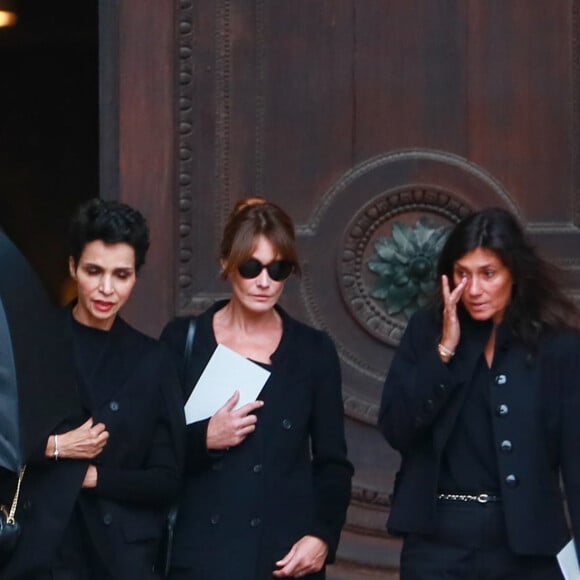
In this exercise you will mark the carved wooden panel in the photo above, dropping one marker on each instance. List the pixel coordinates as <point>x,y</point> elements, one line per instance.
<point>377,125</point>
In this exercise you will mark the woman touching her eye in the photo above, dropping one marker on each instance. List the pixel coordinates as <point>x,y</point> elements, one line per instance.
<point>100,497</point>
<point>268,484</point>
<point>482,400</point>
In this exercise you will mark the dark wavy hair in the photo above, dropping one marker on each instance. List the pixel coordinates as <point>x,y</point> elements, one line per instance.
<point>250,218</point>
<point>538,300</point>
<point>111,222</point>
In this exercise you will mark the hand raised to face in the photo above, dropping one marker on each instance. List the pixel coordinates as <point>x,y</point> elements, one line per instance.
<point>451,331</point>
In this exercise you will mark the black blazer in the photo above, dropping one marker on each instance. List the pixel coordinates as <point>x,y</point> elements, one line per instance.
<point>138,471</point>
<point>535,405</point>
<point>243,509</point>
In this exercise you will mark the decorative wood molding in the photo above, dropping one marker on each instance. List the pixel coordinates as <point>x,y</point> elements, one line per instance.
<point>261,56</point>
<point>184,137</point>
<point>223,80</point>
<point>454,162</point>
<point>370,497</point>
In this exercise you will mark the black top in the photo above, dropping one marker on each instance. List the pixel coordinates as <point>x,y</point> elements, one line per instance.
<point>89,345</point>
<point>469,461</point>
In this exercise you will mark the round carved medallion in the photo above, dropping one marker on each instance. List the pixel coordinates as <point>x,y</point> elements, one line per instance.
<point>390,249</point>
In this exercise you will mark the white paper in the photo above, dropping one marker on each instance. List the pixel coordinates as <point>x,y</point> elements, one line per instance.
<point>226,372</point>
<point>568,561</point>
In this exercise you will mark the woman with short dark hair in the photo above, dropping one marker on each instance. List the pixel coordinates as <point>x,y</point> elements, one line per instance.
<point>97,499</point>
<point>482,400</point>
<point>268,484</point>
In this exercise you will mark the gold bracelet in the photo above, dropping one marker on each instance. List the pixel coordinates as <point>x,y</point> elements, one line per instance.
<point>445,353</point>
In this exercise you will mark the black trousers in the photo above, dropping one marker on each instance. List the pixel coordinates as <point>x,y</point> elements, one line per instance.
<point>471,543</point>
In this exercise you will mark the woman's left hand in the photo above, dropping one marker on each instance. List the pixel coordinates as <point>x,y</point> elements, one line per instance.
<point>91,477</point>
<point>306,556</point>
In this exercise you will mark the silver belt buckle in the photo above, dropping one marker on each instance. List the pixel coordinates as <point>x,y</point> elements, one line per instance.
<point>483,498</point>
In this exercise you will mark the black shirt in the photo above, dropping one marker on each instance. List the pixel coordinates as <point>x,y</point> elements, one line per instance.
<point>469,464</point>
<point>89,347</point>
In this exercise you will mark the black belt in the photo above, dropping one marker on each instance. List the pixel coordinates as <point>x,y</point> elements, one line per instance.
<point>466,497</point>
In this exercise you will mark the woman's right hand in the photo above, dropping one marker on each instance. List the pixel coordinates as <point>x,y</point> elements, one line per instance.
<point>84,442</point>
<point>229,427</point>
<point>451,332</point>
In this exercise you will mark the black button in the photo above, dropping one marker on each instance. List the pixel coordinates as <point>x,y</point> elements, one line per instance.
<point>287,424</point>
<point>442,388</point>
<point>107,519</point>
<point>500,380</point>
<point>502,410</point>
<point>512,480</point>
<point>217,466</point>
<point>506,446</point>
<point>255,522</point>
<point>429,404</point>
<point>418,421</point>
<point>114,406</point>
<point>257,468</point>
<point>215,518</point>
<point>26,505</point>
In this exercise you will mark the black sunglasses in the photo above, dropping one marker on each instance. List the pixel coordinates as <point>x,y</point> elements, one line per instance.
<point>278,270</point>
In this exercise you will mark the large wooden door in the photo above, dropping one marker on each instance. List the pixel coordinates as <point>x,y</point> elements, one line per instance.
<point>376,124</point>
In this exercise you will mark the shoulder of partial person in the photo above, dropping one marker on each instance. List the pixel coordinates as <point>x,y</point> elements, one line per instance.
<point>305,334</point>
<point>424,317</point>
<point>177,326</point>
<point>562,340</point>
<point>148,345</point>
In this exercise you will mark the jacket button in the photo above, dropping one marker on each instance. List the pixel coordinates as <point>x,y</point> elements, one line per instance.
<point>217,466</point>
<point>108,519</point>
<point>114,406</point>
<point>429,404</point>
<point>287,424</point>
<point>502,410</point>
<point>500,380</point>
<point>257,468</point>
<point>506,446</point>
<point>26,505</point>
<point>511,480</point>
<point>255,522</point>
<point>214,519</point>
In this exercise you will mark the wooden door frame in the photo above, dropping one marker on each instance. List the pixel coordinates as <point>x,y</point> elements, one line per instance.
<point>137,132</point>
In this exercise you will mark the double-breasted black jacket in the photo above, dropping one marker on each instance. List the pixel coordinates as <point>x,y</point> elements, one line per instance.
<point>243,509</point>
<point>535,409</point>
<point>138,398</point>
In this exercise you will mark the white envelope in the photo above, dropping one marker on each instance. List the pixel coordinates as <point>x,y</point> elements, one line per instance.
<point>568,561</point>
<point>226,372</point>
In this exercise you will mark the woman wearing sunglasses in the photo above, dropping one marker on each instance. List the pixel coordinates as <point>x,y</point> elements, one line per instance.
<point>267,484</point>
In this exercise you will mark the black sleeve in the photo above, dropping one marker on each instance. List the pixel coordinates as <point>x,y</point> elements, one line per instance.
<point>158,480</point>
<point>418,384</point>
<point>332,471</point>
<point>568,373</point>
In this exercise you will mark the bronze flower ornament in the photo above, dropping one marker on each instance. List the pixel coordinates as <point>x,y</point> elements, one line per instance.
<point>405,265</point>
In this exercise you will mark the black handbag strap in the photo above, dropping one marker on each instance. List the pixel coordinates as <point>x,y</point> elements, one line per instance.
<point>188,348</point>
